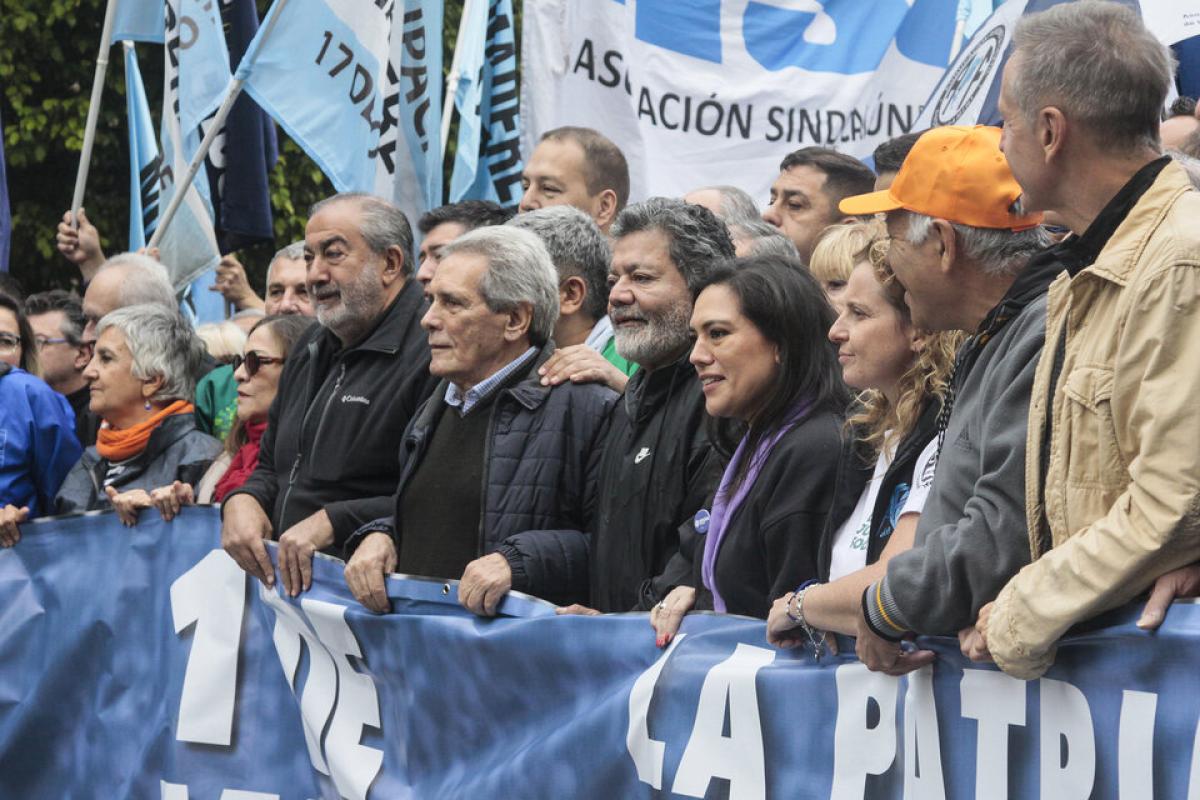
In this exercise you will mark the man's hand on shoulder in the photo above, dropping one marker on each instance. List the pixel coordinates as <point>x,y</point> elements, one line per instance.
<point>581,364</point>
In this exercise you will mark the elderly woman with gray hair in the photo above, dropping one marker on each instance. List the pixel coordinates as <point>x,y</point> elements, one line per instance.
<point>141,381</point>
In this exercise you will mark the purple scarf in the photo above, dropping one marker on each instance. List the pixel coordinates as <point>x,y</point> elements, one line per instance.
<point>725,506</point>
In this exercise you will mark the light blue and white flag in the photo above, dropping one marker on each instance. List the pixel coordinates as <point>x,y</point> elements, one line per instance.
<point>145,163</point>
<point>487,161</point>
<point>408,159</point>
<point>138,21</point>
<point>189,245</point>
<point>197,54</point>
<point>370,74</point>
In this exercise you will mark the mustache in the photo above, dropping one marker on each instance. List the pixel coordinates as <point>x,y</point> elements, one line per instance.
<point>626,314</point>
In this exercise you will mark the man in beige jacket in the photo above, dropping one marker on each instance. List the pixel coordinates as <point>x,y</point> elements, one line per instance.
<point>1113,450</point>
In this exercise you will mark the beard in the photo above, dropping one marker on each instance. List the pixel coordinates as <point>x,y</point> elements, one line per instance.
<point>358,307</point>
<point>664,334</point>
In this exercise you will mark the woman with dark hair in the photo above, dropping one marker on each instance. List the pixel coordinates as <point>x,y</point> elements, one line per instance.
<point>772,384</point>
<point>890,457</point>
<point>38,446</point>
<point>257,371</point>
<point>17,347</point>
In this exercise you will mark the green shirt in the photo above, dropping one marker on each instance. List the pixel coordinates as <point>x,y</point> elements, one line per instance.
<point>613,357</point>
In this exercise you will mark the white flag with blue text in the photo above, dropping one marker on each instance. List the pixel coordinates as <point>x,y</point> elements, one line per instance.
<point>719,91</point>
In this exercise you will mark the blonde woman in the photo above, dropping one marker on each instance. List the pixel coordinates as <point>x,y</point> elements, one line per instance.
<point>884,478</point>
<point>838,251</point>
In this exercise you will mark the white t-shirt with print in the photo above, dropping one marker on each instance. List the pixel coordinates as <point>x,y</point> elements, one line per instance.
<point>850,542</point>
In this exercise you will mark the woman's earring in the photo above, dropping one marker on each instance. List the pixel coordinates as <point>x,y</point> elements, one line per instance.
<point>148,406</point>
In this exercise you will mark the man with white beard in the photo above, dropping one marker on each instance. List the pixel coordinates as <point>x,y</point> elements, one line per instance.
<point>658,466</point>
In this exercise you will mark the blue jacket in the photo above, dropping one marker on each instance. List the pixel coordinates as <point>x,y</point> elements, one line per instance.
<point>37,441</point>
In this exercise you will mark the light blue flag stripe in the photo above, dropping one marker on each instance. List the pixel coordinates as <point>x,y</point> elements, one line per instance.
<point>421,113</point>
<point>487,164</point>
<point>318,81</point>
<point>138,21</point>
<point>144,160</point>
<point>468,99</point>
<point>203,59</point>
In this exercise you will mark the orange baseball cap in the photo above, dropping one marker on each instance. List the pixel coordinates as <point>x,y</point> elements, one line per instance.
<point>956,173</point>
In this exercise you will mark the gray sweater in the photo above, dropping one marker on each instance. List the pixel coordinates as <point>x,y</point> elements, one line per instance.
<point>972,535</point>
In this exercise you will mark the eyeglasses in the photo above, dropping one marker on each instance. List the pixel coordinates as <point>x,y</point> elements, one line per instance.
<point>42,341</point>
<point>9,343</point>
<point>253,362</point>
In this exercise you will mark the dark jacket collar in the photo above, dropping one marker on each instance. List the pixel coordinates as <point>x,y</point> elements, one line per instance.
<point>1077,253</point>
<point>390,331</point>
<point>529,392</point>
<point>647,391</point>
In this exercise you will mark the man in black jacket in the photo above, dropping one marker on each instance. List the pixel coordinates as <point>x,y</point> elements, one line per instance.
<point>659,467</point>
<point>328,461</point>
<point>493,452</point>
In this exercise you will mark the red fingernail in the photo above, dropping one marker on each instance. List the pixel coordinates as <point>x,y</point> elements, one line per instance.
<point>659,641</point>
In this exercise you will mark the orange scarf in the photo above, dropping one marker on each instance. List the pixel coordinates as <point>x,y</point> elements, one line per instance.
<point>119,445</point>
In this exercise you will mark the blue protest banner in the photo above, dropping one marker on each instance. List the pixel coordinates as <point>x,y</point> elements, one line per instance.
<point>487,161</point>
<point>143,663</point>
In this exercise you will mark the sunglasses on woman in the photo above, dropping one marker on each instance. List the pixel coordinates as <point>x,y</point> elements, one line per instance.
<point>253,362</point>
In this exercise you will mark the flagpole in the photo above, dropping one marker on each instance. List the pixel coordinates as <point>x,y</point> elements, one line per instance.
<point>182,186</point>
<point>452,80</point>
<point>218,122</point>
<point>89,131</point>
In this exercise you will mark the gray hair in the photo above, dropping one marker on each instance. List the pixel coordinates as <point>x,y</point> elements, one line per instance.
<point>162,343</point>
<point>699,242</point>
<point>998,251</point>
<point>381,223</point>
<point>1099,64</point>
<point>764,238</point>
<point>293,252</point>
<point>737,206</point>
<point>519,271</point>
<point>577,247</point>
<point>147,281</point>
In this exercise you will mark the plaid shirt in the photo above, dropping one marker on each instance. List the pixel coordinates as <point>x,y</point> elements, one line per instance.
<point>464,402</point>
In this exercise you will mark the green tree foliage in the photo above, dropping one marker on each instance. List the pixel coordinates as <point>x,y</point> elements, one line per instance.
<point>48,52</point>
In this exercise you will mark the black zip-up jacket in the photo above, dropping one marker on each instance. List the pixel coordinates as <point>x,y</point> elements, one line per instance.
<point>854,471</point>
<point>659,468</point>
<point>771,542</point>
<point>335,427</point>
<point>543,452</point>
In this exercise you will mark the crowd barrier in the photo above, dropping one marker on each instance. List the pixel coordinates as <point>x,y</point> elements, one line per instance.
<point>143,663</point>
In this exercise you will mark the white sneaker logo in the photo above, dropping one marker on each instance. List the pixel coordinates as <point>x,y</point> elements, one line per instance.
<point>641,456</point>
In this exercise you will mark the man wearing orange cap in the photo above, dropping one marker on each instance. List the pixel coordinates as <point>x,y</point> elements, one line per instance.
<point>1113,475</point>
<point>961,251</point>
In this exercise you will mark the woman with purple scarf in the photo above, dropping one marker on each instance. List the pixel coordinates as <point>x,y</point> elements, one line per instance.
<point>774,389</point>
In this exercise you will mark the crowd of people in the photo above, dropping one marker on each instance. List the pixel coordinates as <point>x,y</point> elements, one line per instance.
<point>950,396</point>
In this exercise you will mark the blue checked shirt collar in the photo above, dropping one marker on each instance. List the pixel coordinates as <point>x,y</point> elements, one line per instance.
<point>480,391</point>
